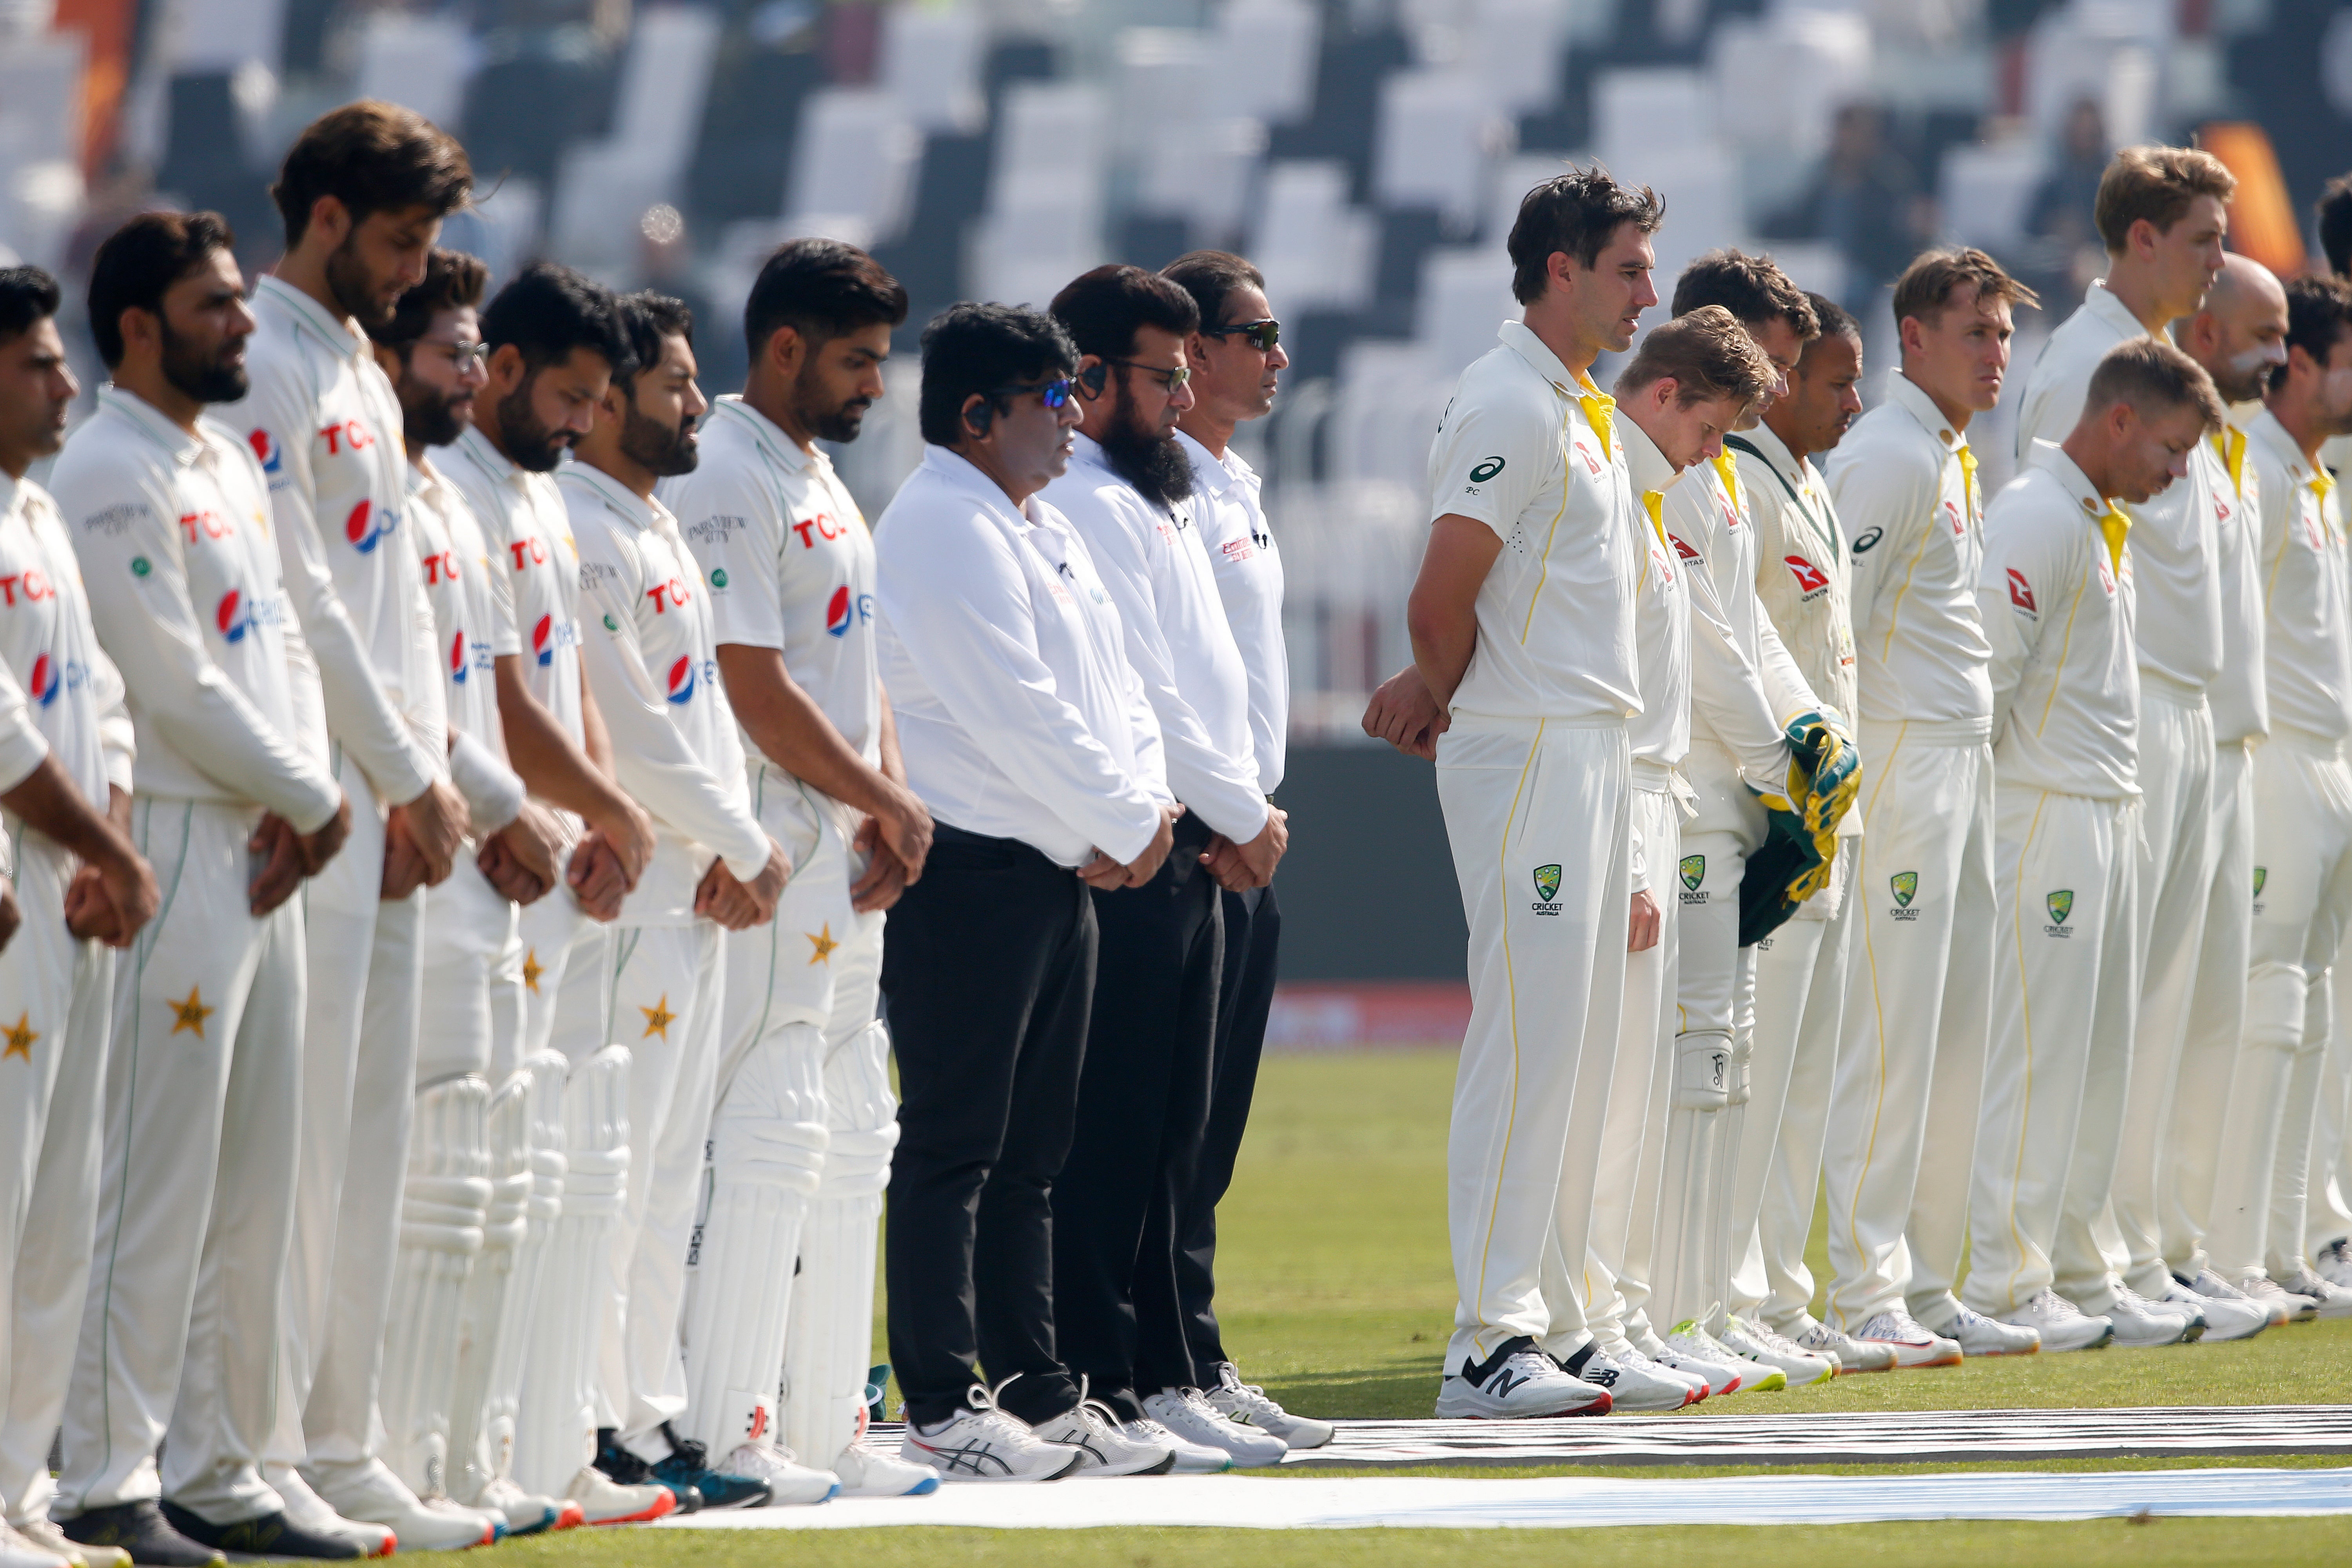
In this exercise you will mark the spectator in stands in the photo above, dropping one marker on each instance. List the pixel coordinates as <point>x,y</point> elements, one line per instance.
<point>2066,254</point>
<point>1864,200</point>
<point>2334,215</point>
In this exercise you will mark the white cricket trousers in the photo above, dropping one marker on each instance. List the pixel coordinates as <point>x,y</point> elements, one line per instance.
<point>1911,1051</point>
<point>1538,814</point>
<point>52,1087</point>
<point>2210,1053</point>
<point>2301,899</point>
<point>2172,880</point>
<point>2060,1061</point>
<point>204,1080</point>
<point>2327,1205</point>
<point>1714,998</point>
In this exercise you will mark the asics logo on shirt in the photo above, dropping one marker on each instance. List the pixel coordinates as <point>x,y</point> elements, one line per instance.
<point>345,437</point>
<point>265,448</point>
<point>844,607</point>
<point>821,525</point>
<point>681,680</point>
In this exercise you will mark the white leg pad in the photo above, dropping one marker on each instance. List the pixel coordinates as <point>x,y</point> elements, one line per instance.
<point>481,1442</point>
<point>1681,1252</point>
<point>2276,996</point>
<point>444,1204</point>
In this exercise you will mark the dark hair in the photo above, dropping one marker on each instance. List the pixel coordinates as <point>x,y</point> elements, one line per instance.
<point>1933,277</point>
<point>820,288</point>
<point>2334,214</point>
<point>646,318</point>
<point>2153,377</point>
<point>1209,276</point>
<point>1836,321</point>
<point>969,348</point>
<point>2157,183</point>
<point>453,280</point>
<point>136,266</point>
<point>1750,287</point>
<point>2318,313</point>
<point>28,296</point>
<point>1708,353</point>
<point>1103,310</point>
<point>550,311</point>
<point>375,157</point>
<point>1577,212</point>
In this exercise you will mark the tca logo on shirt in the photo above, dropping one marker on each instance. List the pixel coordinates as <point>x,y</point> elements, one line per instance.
<point>440,567</point>
<point>819,524</point>
<point>345,437</point>
<point>667,596</point>
<point>31,586</point>
<point>1811,581</point>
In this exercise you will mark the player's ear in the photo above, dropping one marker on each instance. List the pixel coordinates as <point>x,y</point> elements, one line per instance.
<point>979,415</point>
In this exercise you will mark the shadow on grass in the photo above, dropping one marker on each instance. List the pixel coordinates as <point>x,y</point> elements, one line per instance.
<point>1363,1394</point>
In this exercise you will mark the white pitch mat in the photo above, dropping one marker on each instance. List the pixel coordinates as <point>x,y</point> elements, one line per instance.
<point>1358,1503</point>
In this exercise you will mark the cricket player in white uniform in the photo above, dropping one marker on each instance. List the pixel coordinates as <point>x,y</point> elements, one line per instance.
<point>2161,213</point>
<point>2057,597</point>
<point>800,1143</point>
<point>2328,1218</point>
<point>651,658</point>
<point>362,193</point>
<point>170,516</point>
<point>2303,810</point>
<point>552,341</point>
<point>65,742</point>
<point>1524,675</point>
<point>1903,1110</point>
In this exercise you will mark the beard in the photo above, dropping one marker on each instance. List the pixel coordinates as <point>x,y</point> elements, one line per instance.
<point>348,281</point>
<point>529,445</point>
<point>202,377</point>
<point>430,418</point>
<point>838,423</point>
<point>1155,465</point>
<point>663,452</point>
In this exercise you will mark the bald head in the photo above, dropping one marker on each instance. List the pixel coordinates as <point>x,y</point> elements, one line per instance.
<point>2239,334</point>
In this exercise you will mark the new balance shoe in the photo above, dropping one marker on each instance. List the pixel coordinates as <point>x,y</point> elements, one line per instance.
<point>271,1536</point>
<point>140,1529</point>
<point>1852,1355</point>
<point>790,1483</point>
<point>1517,1380</point>
<point>1107,1448</point>
<point>2330,1301</point>
<point>1634,1381</point>
<point>1746,1338</point>
<point>45,1536</point>
<point>630,1470</point>
<point>601,1500</point>
<point>1248,1404</point>
<point>2062,1325</point>
<point>371,1493</point>
<point>982,1443</point>
<point>2333,1263</point>
<point>1977,1334</point>
<point>1686,1350</point>
<point>1914,1345</point>
<point>2226,1318</point>
<point>1188,1413</point>
<point>2261,1287</point>
<point>864,1472</point>
<point>315,1515</point>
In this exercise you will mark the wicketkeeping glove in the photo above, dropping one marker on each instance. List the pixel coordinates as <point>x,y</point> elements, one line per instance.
<point>1824,776</point>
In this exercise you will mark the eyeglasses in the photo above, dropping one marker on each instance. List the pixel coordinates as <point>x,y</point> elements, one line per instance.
<point>1053,394</point>
<point>1170,377</point>
<point>1261,334</point>
<point>465,356</point>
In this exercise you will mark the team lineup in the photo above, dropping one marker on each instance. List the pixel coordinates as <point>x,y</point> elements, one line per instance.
<point>473,803</point>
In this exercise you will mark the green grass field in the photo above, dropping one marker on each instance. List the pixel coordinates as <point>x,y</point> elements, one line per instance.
<point>1335,1294</point>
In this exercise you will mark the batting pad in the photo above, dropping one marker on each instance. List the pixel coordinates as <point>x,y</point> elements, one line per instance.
<point>481,1441</point>
<point>443,1204</point>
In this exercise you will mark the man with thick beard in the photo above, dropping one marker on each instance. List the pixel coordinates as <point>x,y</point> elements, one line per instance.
<point>362,193</point>
<point>1143,1095</point>
<point>652,655</point>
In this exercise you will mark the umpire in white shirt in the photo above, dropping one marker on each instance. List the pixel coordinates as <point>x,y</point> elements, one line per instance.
<point>1030,740</point>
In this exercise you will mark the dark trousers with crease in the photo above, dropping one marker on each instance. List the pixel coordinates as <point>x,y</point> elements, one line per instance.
<point>988,966</point>
<point>1143,1109</point>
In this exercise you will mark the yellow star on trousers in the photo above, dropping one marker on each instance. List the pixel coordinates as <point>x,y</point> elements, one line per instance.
<point>20,1037</point>
<point>658,1019</point>
<point>823,943</point>
<point>192,1013</point>
<point>531,970</point>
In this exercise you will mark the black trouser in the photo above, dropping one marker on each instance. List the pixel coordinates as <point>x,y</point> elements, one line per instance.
<point>988,965</point>
<point>1253,933</point>
<point>1143,1104</point>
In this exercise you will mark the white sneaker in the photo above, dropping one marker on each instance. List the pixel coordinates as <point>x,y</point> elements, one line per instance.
<point>981,1443</point>
<point>1701,1357</point>
<point>601,1500</point>
<point>1191,1458</point>
<point>45,1536</point>
<point>20,1551</point>
<point>2226,1318</point>
<point>2213,1288</point>
<point>2331,1302</point>
<point>1977,1334</point>
<point>1914,1345</point>
<point>1634,1381</point>
<point>305,1510</point>
<point>1852,1355</point>
<point>2261,1288</point>
<point>1516,1381</point>
<point>866,1473</point>
<point>1748,1338</point>
<point>2334,1263</point>
<point>789,1483</point>
<point>2141,1324</point>
<point>1754,1377</point>
<point>1188,1413</point>
<point>526,1513</point>
<point>1247,1403</point>
<point>2062,1325</point>
<point>373,1494</point>
<point>1108,1447</point>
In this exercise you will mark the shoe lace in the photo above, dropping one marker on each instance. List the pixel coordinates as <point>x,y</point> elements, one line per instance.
<point>625,1468</point>
<point>1248,1395</point>
<point>1093,1413</point>
<point>981,1400</point>
<point>2051,1304</point>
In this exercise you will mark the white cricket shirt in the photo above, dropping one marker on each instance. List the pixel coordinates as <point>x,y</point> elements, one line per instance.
<point>2241,705</point>
<point>1661,731</point>
<point>528,530</point>
<point>1229,511</point>
<point>471,630</point>
<point>2056,596</point>
<point>2060,381</point>
<point>2306,623</point>
<point>1018,714</point>
<point>66,698</point>
<point>1529,450</point>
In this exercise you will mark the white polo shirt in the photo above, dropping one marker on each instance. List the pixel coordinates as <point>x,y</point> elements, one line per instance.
<point>471,629</point>
<point>788,561</point>
<point>2307,624</point>
<point>1528,449</point>
<point>172,533</point>
<point>2241,705</point>
<point>1661,731</point>
<point>325,424</point>
<point>1803,575</point>
<point>529,532</point>
<point>653,664</point>
<point>59,693</point>
<point>1017,713</point>
<point>2057,594</point>
<point>2060,381</point>
<point>1229,512</point>
<point>1905,486</point>
<point>1157,570</point>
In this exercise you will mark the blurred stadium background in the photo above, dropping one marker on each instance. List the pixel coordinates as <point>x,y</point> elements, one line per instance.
<point>1368,154</point>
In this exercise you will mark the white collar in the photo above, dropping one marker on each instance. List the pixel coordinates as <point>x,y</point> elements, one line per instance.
<point>2051,459</point>
<point>2102,303</point>
<point>769,434</point>
<point>1914,400</point>
<point>343,336</point>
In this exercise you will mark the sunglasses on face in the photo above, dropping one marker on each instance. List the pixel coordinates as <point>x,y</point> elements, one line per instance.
<point>1261,334</point>
<point>464,355</point>
<point>1053,394</point>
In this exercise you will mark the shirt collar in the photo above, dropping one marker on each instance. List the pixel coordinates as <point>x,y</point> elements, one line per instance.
<point>2052,459</point>
<point>1209,471</point>
<point>2264,430</point>
<point>769,434</point>
<point>2101,302</point>
<point>12,492</point>
<point>1598,407</point>
<point>1914,400</point>
<point>1646,466</point>
<point>493,462</point>
<point>960,473</point>
<point>146,418</point>
<point>642,513</point>
<point>309,314</point>
<point>1775,452</point>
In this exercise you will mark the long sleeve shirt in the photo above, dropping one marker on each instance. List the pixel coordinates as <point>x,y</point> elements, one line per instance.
<point>2306,622</point>
<point>2241,706</point>
<point>472,630</point>
<point>1018,714</point>
<point>173,531</point>
<point>1231,514</point>
<point>653,667</point>
<point>66,698</point>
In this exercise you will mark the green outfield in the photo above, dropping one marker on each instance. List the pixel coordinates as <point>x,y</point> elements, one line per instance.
<point>1337,1295</point>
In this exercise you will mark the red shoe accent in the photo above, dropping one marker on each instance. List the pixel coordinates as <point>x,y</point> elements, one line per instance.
<point>1600,1406</point>
<point>391,1545</point>
<point>569,1516</point>
<point>662,1505</point>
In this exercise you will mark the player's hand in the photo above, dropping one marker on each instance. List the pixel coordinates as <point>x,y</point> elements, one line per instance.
<point>1405,715</point>
<point>597,876</point>
<point>905,827</point>
<point>317,849</point>
<point>1241,867</point>
<point>1146,865</point>
<point>524,855</point>
<point>11,917</point>
<point>1642,931</point>
<point>738,905</point>
<point>109,901</point>
<point>885,876</point>
<point>283,861</point>
<point>406,868</point>
<point>1103,873</point>
<point>437,821</point>
<point>630,839</point>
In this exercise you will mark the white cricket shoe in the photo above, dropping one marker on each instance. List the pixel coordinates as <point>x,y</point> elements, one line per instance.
<point>1754,1377</point>
<point>371,1494</point>
<point>1108,1446</point>
<point>601,1500</point>
<point>1191,1458</point>
<point>1248,1404</point>
<point>1685,1350</point>
<point>2213,1288</point>
<point>526,1513</point>
<point>46,1536</point>
<point>1748,1338</point>
<point>1977,1334</point>
<point>2261,1288</point>
<point>2141,1324</point>
<point>1914,1344</point>
<point>1516,1381</point>
<point>1852,1355</point>
<point>1188,1413</point>
<point>2062,1325</point>
<point>788,1481</point>
<point>2331,1301</point>
<point>2334,1263</point>
<point>20,1551</point>
<point>1634,1381</point>
<point>981,1443</point>
<point>305,1510</point>
<point>864,1472</point>
<point>2226,1318</point>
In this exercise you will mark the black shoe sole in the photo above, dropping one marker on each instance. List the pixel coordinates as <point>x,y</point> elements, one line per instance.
<point>271,1536</point>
